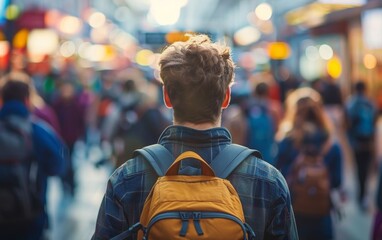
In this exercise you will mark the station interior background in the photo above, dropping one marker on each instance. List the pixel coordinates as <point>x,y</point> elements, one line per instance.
<point>299,39</point>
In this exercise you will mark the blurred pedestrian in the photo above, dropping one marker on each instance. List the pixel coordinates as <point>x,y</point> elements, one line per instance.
<point>197,76</point>
<point>361,115</point>
<point>311,161</point>
<point>38,107</point>
<point>133,122</point>
<point>234,119</point>
<point>332,98</point>
<point>71,117</point>
<point>263,115</point>
<point>30,151</point>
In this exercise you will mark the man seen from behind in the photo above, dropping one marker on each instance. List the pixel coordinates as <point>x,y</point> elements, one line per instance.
<point>197,76</point>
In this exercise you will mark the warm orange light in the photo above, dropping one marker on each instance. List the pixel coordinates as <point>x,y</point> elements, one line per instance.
<point>21,38</point>
<point>110,53</point>
<point>278,50</point>
<point>172,37</point>
<point>370,61</point>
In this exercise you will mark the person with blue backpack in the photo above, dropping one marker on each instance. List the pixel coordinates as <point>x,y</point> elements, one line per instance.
<point>361,116</point>
<point>197,76</point>
<point>30,152</point>
<point>262,115</point>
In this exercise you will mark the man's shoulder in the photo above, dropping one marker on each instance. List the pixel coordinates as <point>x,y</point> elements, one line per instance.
<point>263,172</point>
<point>133,168</point>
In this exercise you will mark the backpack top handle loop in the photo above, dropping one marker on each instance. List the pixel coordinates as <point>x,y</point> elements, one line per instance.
<point>174,168</point>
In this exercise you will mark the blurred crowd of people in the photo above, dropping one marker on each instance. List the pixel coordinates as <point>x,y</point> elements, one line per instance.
<point>287,121</point>
<point>304,128</point>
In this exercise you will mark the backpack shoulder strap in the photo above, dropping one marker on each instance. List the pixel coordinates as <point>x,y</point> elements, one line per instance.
<point>158,157</point>
<point>230,158</point>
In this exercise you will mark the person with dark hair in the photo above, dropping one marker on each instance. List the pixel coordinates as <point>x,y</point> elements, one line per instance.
<point>40,153</point>
<point>361,115</point>
<point>197,76</point>
<point>15,91</point>
<point>38,107</point>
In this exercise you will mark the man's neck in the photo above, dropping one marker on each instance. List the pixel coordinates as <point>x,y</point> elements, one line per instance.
<point>201,126</point>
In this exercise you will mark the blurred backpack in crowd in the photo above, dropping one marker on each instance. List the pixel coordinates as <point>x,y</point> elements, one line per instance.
<point>261,130</point>
<point>309,179</point>
<point>362,117</point>
<point>261,122</point>
<point>137,123</point>
<point>183,206</point>
<point>18,173</point>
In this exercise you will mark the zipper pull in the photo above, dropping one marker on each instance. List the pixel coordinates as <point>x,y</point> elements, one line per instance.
<point>197,216</point>
<point>185,216</point>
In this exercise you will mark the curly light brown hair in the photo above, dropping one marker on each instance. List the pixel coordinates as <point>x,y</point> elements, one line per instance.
<point>196,75</point>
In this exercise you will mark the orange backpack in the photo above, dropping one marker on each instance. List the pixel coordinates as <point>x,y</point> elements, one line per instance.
<point>309,183</point>
<point>193,207</point>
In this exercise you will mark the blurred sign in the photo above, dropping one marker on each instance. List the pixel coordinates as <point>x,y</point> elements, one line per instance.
<point>160,38</point>
<point>278,50</point>
<point>172,37</point>
<point>153,38</point>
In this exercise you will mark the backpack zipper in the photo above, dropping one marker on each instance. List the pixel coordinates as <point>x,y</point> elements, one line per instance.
<point>196,216</point>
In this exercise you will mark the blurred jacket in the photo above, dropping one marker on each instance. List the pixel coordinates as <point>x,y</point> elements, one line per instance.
<point>49,152</point>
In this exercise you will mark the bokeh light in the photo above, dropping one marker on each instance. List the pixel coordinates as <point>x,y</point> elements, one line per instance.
<point>334,67</point>
<point>12,12</point>
<point>143,57</point>
<point>326,52</point>
<point>264,11</point>
<point>166,12</point>
<point>52,17</point>
<point>311,53</point>
<point>20,39</point>
<point>97,19</point>
<point>42,41</point>
<point>247,35</point>
<point>70,25</point>
<point>278,50</point>
<point>370,61</point>
<point>311,70</point>
<point>4,48</point>
<point>68,49</point>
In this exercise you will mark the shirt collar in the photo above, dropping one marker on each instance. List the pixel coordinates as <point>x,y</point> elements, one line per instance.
<point>192,137</point>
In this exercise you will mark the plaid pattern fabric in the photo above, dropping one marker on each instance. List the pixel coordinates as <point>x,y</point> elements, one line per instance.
<point>261,188</point>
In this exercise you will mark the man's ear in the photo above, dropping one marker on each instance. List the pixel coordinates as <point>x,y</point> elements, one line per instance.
<point>227,98</point>
<point>166,98</point>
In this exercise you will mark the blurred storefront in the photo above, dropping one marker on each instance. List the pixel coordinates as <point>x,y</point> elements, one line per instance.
<point>336,38</point>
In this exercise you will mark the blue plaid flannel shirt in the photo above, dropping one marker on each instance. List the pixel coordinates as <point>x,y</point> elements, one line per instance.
<point>262,189</point>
